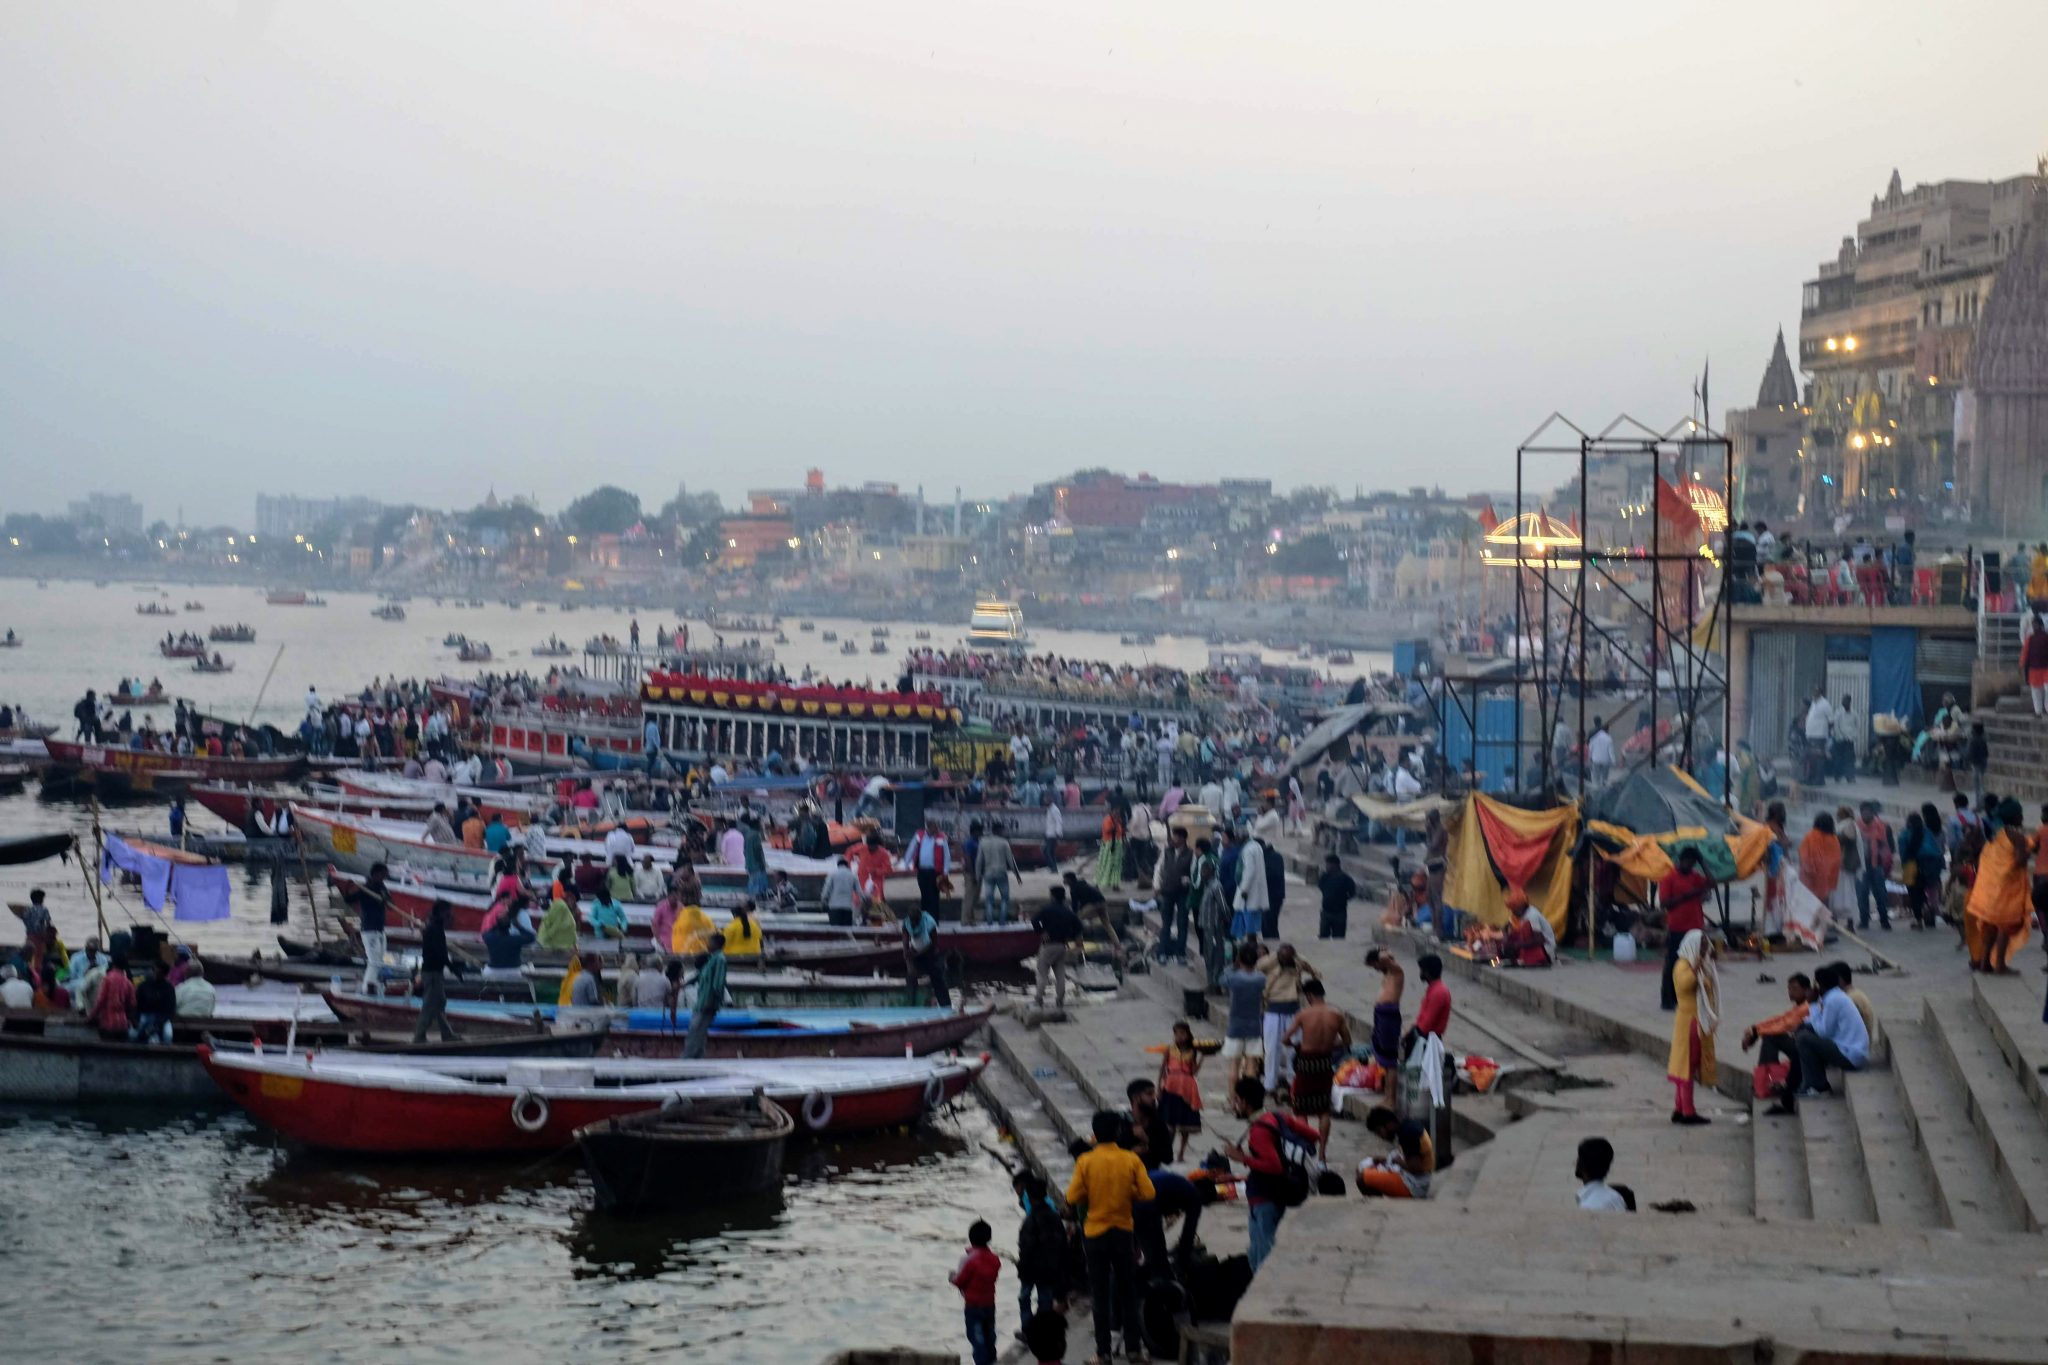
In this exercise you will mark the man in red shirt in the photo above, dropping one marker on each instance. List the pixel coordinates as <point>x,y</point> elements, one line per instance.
<point>1266,1197</point>
<point>975,1278</point>
<point>1683,893</point>
<point>1435,1014</point>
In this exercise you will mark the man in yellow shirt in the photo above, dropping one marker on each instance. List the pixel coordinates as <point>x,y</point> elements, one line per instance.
<point>693,929</point>
<point>1109,1180</point>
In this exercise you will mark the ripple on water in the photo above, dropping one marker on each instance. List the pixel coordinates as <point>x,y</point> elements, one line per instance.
<point>191,1237</point>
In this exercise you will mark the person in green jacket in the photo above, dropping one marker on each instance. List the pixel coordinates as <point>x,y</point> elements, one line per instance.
<point>558,925</point>
<point>710,995</point>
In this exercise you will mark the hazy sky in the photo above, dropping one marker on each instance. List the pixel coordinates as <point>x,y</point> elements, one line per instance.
<point>414,249</point>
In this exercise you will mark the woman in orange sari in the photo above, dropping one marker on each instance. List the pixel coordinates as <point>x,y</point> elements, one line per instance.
<point>1820,858</point>
<point>1995,917</point>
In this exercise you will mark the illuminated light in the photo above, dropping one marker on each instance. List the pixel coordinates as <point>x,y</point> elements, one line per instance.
<point>793,542</point>
<point>1173,553</point>
<point>730,544</point>
<point>252,539</point>
<point>1271,548</point>
<point>1932,380</point>
<point>231,540</point>
<point>1832,343</point>
<point>1857,440</point>
<point>298,540</point>
<point>1848,343</point>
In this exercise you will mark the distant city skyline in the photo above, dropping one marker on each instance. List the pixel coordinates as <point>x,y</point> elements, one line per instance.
<point>408,254</point>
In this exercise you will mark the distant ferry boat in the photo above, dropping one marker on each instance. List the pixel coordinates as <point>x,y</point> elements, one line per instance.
<point>996,625</point>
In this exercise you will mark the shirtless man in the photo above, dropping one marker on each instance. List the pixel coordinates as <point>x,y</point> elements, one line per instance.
<point>1386,1013</point>
<point>1321,1035</point>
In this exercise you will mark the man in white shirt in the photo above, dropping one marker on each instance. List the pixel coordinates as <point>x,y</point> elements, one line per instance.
<point>1599,755</point>
<point>618,844</point>
<point>1212,797</point>
<point>1406,787</point>
<point>15,994</point>
<point>1055,830</point>
<point>1820,721</point>
<point>314,708</point>
<point>870,802</point>
<point>1596,1159</point>
<point>1267,827</point>
<point>1842,731</point>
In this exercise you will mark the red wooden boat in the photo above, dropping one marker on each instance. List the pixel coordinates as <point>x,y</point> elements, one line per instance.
<point>470,1107</point>
<point>143,765</point>
<point>837,1033</point>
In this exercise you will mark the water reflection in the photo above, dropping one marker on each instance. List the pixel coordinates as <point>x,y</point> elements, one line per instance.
<point>646,1246</point>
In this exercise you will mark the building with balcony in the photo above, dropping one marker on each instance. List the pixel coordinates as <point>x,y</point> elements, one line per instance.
<point>1885,335</point>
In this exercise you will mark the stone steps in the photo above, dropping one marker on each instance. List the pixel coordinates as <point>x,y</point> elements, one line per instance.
<point>1065,1106</point>
<point>1996,1109</point>
<point>1901,1190</point>
<point>1837,1187</point>
<point>1778,1167</point>
<point>2012,1011</point>
<point>1936,1108</point>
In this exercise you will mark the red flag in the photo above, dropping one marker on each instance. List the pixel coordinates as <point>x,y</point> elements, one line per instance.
<point>1487,519</point>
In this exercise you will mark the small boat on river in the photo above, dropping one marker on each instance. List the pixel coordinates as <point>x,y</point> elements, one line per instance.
<point>50,1058</point>
<point>448,1105</point>
<point>689,1155</point>
<point>734,1033</point>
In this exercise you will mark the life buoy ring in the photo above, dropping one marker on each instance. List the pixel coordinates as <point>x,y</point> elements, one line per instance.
<point>817,1111</point>
<point>530,1111</point>
<point>934,1093</point>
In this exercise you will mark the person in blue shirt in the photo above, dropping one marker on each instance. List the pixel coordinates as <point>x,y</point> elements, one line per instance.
<point>922,932</point>
<point>607,916</point>
<point>496,835</point>
<point>1833,1035</point>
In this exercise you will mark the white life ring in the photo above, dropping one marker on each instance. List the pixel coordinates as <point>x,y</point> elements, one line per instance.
<point>530,1111</point>
<point>934,1093</point>
<point>817,1111</point>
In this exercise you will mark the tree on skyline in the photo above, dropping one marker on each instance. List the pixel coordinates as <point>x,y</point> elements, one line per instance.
<point>607,510</point>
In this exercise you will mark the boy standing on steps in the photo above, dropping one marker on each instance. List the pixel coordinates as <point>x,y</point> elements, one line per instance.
<point>975,1278</point>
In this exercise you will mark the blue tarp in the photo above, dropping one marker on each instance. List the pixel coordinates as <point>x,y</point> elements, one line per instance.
<point>1894,676</point>
<point>198,893</point>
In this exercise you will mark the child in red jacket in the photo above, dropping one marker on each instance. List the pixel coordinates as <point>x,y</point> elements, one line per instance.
<point>975,1278</point>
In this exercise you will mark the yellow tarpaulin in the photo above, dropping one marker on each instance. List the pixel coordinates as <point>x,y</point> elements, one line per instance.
<point>1470,882</point>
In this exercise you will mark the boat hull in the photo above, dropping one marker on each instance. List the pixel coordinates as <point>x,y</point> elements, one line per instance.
<point>75,1067</point>
<point>633,1170</point>
<point>397,1014</point>
<point>344,1113</point>
<point>141,766</point>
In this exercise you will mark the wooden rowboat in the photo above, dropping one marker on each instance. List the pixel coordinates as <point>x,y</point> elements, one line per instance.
<point>691,1155</point>
<point>451,1106</point>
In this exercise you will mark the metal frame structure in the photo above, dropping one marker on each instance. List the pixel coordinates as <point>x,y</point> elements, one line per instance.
<point>1554,631</point>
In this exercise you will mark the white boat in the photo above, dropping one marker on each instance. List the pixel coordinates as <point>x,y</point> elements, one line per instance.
<point>996,624</point>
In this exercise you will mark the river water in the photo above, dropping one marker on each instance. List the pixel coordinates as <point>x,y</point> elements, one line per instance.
<point>191,1236</point>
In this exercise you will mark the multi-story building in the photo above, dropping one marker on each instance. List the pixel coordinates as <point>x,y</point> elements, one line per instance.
<point>116,513</point>
<point>283,514</point>
<point>1885,332</point>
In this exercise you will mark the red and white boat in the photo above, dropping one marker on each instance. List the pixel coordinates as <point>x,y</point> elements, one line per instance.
<point>356,1102</point>
<point>142,765</point>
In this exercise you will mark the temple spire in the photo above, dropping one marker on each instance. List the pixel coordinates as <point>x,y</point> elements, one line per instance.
<point>1780,388</point>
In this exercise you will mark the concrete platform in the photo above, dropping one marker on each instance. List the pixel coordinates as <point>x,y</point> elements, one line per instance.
<point>1434,1282</point>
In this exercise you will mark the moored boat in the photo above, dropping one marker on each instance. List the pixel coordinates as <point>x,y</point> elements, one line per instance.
<point>734,1033</point>
<point>692,1154</point>
<point>437,1106</point>
<point>144,765</point>
<point>57,1059</point>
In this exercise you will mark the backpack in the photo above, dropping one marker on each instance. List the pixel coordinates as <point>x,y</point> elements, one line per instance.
<point>1042,1248</point>
<point>1299,1166</point>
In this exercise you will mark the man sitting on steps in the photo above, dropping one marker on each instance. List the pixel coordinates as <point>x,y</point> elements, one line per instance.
<point>1833,1035</point>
